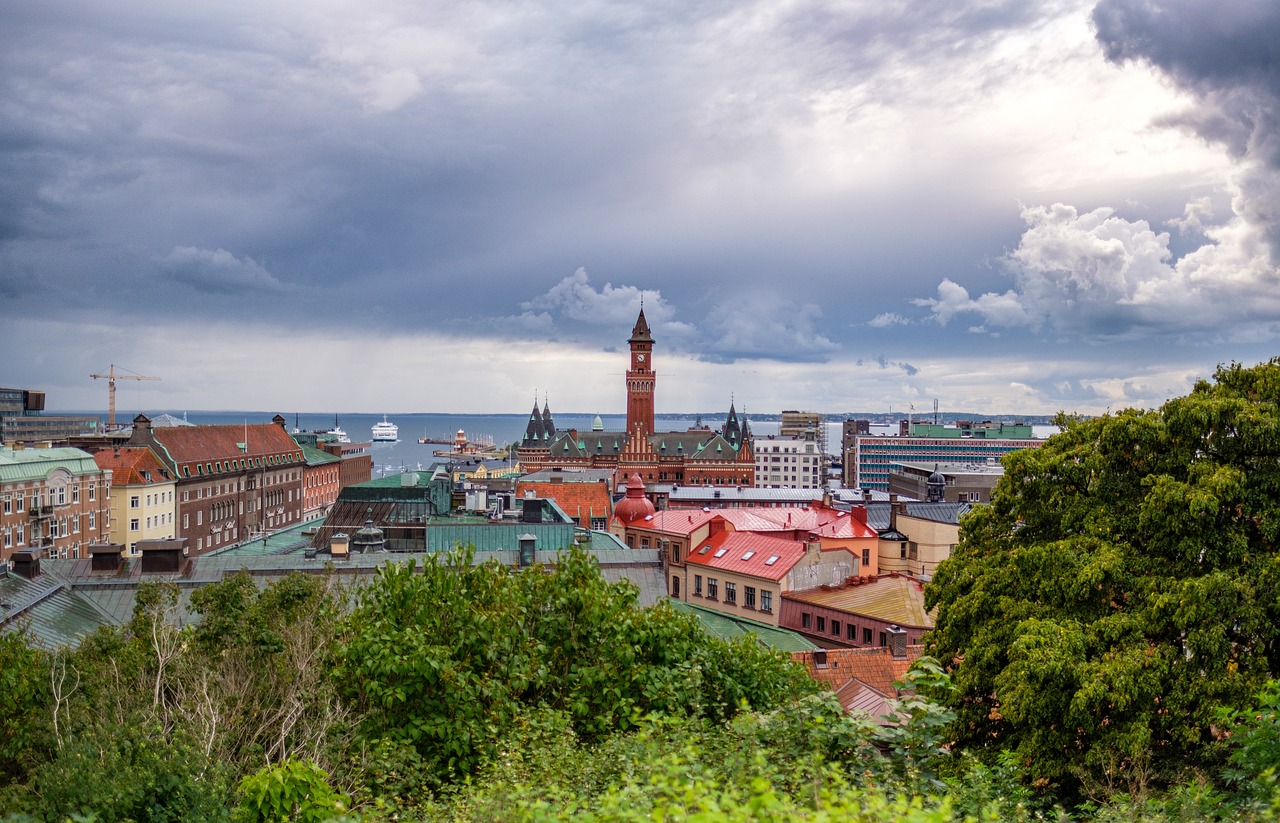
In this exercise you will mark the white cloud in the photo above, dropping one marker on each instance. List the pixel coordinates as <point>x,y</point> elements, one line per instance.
<point>888,319</point>
<point>1099,275</point>
<point>615,307</point>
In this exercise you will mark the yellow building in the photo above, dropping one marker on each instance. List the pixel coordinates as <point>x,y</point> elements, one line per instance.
<point>143,496</point>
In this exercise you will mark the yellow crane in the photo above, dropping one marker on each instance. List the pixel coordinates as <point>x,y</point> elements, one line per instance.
<point>111,377</point>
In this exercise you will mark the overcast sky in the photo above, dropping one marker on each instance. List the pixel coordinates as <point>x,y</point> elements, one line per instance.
<point>415,206</point>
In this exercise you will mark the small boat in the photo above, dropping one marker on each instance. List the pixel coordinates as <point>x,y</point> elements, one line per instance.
<point>386,431</point>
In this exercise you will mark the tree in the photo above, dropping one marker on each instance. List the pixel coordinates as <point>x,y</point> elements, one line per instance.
<point>1123,583</point>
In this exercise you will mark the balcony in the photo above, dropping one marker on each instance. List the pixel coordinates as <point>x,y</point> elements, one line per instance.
<point>40,511</point>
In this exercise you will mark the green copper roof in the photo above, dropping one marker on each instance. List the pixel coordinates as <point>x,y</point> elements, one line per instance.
<point>728,627</point>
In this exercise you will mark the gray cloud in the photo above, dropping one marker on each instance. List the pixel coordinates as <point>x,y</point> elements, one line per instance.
<point>219,272</point>
<point>1228,56</point>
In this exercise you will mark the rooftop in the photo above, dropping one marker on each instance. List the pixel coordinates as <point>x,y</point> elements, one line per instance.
<point>892,598</point>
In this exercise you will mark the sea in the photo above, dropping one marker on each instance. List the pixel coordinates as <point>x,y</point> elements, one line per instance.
<point>407,454</point>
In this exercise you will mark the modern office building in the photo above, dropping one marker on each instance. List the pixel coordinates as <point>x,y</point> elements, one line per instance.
<point>873,456</point>
<point>22,419</point>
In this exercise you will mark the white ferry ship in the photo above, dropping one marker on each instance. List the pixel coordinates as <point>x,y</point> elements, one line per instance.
<point>385,432</point>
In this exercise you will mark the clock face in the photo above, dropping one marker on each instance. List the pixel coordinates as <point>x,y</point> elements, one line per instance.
<point>640,357</point>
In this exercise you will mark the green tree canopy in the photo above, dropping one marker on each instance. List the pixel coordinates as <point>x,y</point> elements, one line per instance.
<point>1124,581</point>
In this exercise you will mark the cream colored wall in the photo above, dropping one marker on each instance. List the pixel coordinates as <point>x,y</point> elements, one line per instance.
<point>819,568</point>
<point>934,541</point>
<point>162,510</point>
<point>741,581</point>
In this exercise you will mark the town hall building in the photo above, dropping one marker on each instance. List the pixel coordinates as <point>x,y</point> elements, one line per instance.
<point>696,457</point>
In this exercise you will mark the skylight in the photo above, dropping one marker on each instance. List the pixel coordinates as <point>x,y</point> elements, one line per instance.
<point>773,558</point>
<point>748,555</point>
<point>721,552</point>
<point>704,549</point>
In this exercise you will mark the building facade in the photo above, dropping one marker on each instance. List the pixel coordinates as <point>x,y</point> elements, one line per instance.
<point>788,463</point>
<point>143,497</point>
<point>873,456</point>
<point>52,501</point>
<point>234,483</point>
<point>697,456</point>
<point>22,420</point>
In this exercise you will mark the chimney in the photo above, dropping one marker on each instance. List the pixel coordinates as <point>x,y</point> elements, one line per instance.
<point>897,508</point>
<point>897,642</point>
<point>106,557</point>
<point>26,563</point>
<point>340,546</point>
<point>527,544</point>
<point>163,555</point>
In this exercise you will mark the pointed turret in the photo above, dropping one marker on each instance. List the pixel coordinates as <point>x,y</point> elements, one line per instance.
<point>533,431</point>
<point>548,426</point>
<point>640,334</point>
<point>732,429</point>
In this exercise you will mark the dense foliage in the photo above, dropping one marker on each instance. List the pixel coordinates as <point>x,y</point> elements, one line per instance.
<point>1123,584</point>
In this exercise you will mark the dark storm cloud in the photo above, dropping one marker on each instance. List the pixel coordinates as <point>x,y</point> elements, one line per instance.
<point>1228,55</point>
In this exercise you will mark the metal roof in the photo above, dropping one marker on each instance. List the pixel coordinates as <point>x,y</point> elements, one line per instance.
<point>729,627</point>
<point>23,465</point>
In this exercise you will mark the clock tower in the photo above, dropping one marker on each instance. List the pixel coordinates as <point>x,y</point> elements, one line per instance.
<point>640,380</point>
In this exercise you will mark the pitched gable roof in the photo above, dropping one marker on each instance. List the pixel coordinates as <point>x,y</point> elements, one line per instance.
<point>748,553</point>
<point>134,466</point>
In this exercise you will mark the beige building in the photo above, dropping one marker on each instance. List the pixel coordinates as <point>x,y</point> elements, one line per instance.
<point>53,501</point>
<point>143,498</point>
<point>916,545</point>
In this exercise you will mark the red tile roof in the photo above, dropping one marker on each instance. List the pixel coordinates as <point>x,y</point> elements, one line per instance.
<point>128,464</point>
<point>202,444</point>
<point>861,678</point>
<point>578,500</point>
<point>747,553</point>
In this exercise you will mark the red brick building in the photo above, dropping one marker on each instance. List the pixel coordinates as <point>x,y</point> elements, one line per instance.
<point>234,482</point>
<point>698,456</point>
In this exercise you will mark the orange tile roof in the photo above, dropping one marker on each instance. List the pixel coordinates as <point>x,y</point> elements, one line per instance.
<point>577,500</point>
<point>874,667</point>
<point>127,466</point>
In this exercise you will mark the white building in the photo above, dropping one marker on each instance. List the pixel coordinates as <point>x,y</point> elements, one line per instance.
<point>787,463</point>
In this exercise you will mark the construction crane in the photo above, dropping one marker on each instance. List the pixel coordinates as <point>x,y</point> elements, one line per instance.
<point>111,377</point>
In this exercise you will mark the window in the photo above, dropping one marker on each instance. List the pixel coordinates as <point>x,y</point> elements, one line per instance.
<point>835,627</point>
<point>902,550</point>
<point>93,520</point>
<point>697,585</point>
<point>133,501</point>
<point>748,555</point>
<point>866,637</point>
<point>75,493</point>
<point>200,518</point>
<point>913,552</point>
<point>721,552</point>
<point>712,587</point>
<point>866,558</point>
<point>8,504</point>
<point>822,623</point>
<point>133,524</point>
<point>675,552</point>
<point>805,620</point>
<point>730,592</point>
<point>8,537</point>
<point>184,520</point>
<point>675,586</point>
<point>773,558</point>
<point>93,490</point>
<point>884,641</point>
<point>853,632</point>
<point>748,597</point>
<point>20,502</point>
<point>75,524</point>
<point>766,601</point>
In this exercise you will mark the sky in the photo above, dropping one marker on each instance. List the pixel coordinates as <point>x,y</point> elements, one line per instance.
<point>867,205</point>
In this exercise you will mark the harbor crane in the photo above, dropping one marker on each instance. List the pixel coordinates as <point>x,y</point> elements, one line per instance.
<point>111,377</point>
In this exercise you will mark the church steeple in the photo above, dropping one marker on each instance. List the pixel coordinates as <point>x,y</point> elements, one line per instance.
<point>732,429</point>
<point>640,380</point>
